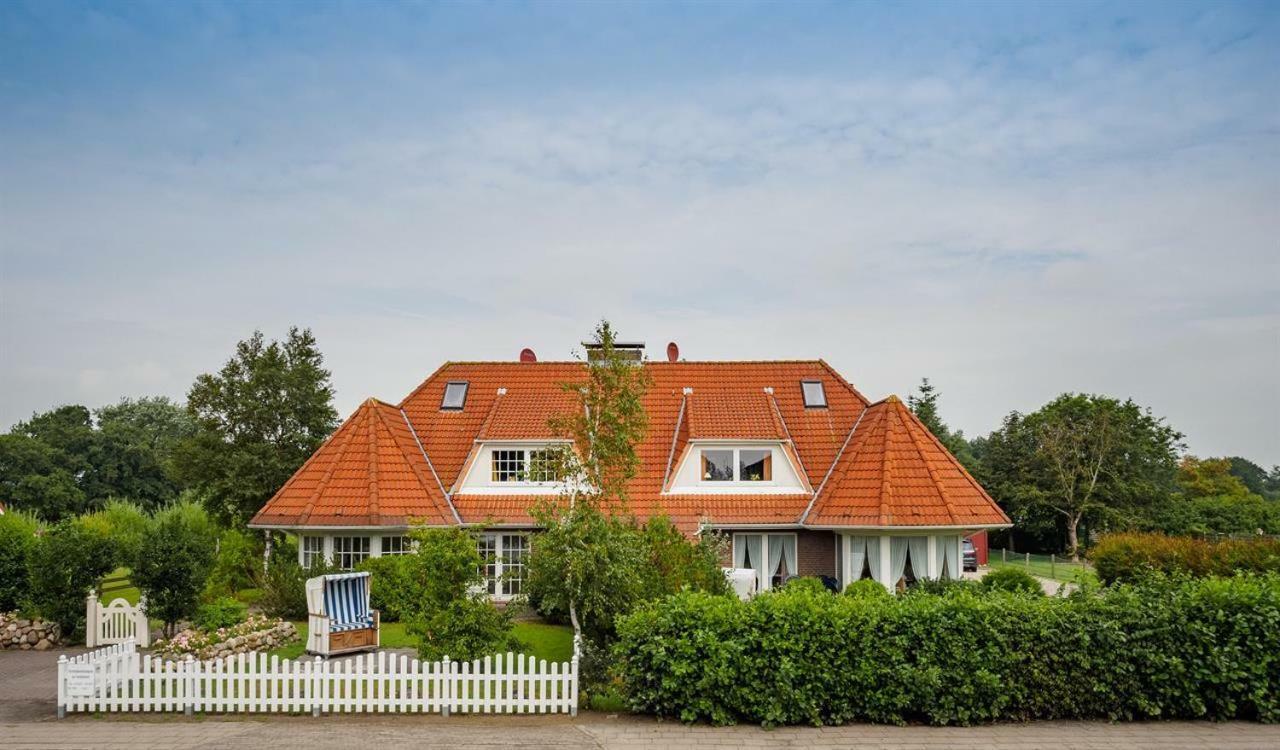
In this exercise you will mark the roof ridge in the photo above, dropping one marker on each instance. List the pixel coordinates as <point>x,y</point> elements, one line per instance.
<point>488,418</point>
<point>834,463</point>
<point>374,514</point>
<point>886,466</point>
<point>841,379</point>
<point>675,438</point>
<point>421,448</point>
<point>307,509</point>
<point>928,465</point>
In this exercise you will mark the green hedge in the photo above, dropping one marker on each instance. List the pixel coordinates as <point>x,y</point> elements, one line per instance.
<point>1131,557</point>
<point>1196,648</point>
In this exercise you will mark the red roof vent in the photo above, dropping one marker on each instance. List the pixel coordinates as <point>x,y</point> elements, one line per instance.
<point>527,355</point>
<point>673,352</point>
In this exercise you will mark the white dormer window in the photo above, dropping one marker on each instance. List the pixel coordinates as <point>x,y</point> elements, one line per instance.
<point>748,467</point>
<point>737,465</point>
<point>536,465</point>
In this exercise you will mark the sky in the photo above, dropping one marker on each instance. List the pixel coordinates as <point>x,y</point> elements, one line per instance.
<point>1012,199</point>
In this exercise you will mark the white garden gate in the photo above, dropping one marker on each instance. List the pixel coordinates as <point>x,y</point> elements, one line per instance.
<point>118,678</point>
<point>117,622</point>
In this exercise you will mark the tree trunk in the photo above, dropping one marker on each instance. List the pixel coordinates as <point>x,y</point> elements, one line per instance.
<point>1073,541</point>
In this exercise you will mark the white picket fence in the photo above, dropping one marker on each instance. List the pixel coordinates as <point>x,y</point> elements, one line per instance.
<point>119,678</point>
<point>117,622</point>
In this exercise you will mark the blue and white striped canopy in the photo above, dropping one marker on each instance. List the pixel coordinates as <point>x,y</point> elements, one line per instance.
<point>346,601</point>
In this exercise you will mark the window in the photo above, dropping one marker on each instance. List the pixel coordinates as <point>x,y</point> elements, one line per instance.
<point>771,556</point>
<point>815,397</point>
<point>544,466</point>
<point>503,558</point>
<point>514,547</point>
<point>487,546</point>
<point>349,550</point>
<point>455,395</point>
<point>395,545</point>
<point>518,465</point>
<point>717,466</point>
<point>755,465</point>
<point>508,466</point>
<point>312,550</point>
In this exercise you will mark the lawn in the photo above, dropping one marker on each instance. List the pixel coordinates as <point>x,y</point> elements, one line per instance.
<point>543,641</point>
<point>1044,567</point>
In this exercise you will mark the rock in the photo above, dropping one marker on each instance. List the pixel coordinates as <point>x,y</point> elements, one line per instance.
<point>43,645</point>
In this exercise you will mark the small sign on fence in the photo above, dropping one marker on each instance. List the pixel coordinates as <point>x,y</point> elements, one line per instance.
<point>79,680</point>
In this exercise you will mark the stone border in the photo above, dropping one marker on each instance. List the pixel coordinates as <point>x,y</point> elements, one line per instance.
<point>20,633</point>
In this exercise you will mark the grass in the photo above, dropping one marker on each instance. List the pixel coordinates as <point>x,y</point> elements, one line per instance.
<point>116,585</point>
<point>543,641</point>
<point>1043,567</point>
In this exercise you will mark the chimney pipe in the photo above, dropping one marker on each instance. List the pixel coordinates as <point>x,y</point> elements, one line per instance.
<point>673,352</point>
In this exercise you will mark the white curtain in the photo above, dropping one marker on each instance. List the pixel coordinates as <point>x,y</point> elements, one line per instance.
<point>951,545</point>
<point>873,556</point>
<point>857,557</point>
<point>919,546</point>
<point>897,559</point>
<point>775,557</point>
<point>789,553</point>
<point>747,554</point>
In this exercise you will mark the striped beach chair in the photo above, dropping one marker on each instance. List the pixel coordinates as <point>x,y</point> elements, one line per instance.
<point>339,617</point>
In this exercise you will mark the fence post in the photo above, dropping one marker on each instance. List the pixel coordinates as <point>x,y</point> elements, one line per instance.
<point>188,687</point>
<point>573,685</point>
<point>141,624</point>
<point>62,686</point>
<point>1004,555</point>
<point>91,619</point>
<point>315,686</point>
<point>1053,565</point>
<point>447,699</point>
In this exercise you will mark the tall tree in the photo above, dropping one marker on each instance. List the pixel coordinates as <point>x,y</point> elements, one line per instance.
<point>1081,457</point>
<point>1256,478</point>
<point>1209,477</point>
<point>924,404</point>
<point>257,421</point>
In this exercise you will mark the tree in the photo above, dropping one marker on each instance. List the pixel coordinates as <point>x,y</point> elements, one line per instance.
<point>1256,478</point>
<point>452,617</point>
<point>173,562</point>
<point>18,538</point>
<point>68,561</point>
<point>925,406</point>
<point>134,452</point>
<point>257,420</point>
<point>1209,477</point>
<point>1081,457</point>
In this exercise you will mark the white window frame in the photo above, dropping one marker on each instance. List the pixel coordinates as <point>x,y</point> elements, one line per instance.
<point>348,559</point>
<point>499,584</point>
<point>762,576</point>
<point>308,557</point>
<point>737,480</point>
<point>526,463</point>
<point>404,542</point>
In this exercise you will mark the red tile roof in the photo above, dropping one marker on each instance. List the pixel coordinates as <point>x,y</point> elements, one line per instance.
<point>728,400</point>
<point>894,472</point>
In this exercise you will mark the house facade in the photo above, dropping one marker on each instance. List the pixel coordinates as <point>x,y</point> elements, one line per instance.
<point>803,473</point>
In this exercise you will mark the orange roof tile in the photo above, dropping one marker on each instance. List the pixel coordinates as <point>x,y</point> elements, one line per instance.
<point>370,472</point>
<point>894,472</point>
<point>733,415</point>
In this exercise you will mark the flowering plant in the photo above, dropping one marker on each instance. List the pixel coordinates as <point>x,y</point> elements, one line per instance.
<point>205,644</point>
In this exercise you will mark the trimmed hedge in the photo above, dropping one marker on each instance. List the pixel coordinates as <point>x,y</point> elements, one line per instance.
<point>1131,557</point>
<point>1188,649</point>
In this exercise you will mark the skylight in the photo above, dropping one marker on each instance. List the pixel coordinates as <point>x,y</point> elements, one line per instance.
<point>455,395</point>
<point>814,395</point>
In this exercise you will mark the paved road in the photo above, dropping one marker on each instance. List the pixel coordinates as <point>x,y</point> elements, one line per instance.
<point>27,720</point>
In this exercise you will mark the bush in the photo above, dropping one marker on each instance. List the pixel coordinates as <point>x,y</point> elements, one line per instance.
<point>866,588</point>
<point>806,584</point>
<point>449,619</point>
<point>220,613</point>
<point>238,561</point>
<point>17,540</point>
<point>394,589</point>
<point>68,560</point>
<point>1186,649</point>
<point>1012,579</point>
<point>121,521</point>
<point>173,562</point>
<point>283,586</point>
<point>1130,557</point>
<point>463,629</point>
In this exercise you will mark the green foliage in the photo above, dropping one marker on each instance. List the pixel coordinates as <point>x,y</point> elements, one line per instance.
<point>237,564</point>
<point>1189,649</point>
<point>121,521</point>
<point>394,588</point>
<point>925,406</point>
<point>1080,458</point>
<point>64,565</point>
<point>866,588</point>
<point>1234,515</point>
<point>1012,580</point>
<point>675,563</point>
<point>17,540</point>
<point>222,612</point>
<point>174,562</point>
<point>1209,477</point>
<point>35,477</point>
<point>452,618</point>
<point>283,585</point>
<point>257,420</point>
<point>807,584</point>
<point>1132,557</point>
<point>1257,479</point>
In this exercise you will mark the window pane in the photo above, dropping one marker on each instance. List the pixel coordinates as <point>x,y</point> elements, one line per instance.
<point>455,395</point>
<point>755,465</point>
<point>508,466</point>
<point>717,466</point>
<point>514,548</point>
<point>544,466</point>
<point>487,546</point>
<point>395,545</point>
<point>349,550</point>
<point>312,550</point>
<point>814,395</point>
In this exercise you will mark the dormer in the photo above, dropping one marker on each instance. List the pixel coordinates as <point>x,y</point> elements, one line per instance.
<point>517,452</point>
<point>734,443</point>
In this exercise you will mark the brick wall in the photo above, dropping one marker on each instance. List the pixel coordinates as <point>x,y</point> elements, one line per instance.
<point>816,551</point>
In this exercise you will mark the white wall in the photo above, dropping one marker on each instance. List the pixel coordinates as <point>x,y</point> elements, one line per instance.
<point>688,475</point>
<point>479,477</point>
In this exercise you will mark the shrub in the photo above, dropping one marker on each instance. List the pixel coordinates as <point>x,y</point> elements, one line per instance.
<point>1130,557</point>
<point>451,618</point>
<point>1184,649</point>
<point>220,613</point>
<point>463,629</point>
<point>866,588</point>
<point>806,584</point>
<point>238,560</point>
<point>1012,579</point>
<point>17,540</point>
<point>283,586</point>
<point>173,562</point>
<point>394,589</point>
<point>68,560</point>
<point>942,586</point>
<point>121,521</point>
